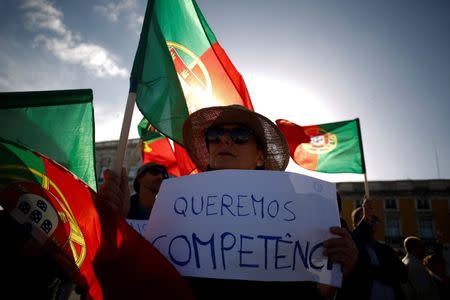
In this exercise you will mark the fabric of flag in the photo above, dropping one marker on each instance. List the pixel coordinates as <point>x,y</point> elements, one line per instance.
<point>88,239</point>
<point>328,148</point>
<point>157,148</point>
<point>160,151</point>
<point>180,67</point>
<point>58,124</point>
<point>185,163</point>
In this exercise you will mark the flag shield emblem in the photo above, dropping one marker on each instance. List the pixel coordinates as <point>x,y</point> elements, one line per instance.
<point>43,212</point>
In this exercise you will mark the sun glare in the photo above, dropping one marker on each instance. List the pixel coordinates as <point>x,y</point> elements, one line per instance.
<point>278,99</point>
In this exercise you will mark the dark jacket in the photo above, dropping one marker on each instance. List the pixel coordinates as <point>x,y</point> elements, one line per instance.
<point>137,212</point>
<point>391,271</point>
<point>206,288</point>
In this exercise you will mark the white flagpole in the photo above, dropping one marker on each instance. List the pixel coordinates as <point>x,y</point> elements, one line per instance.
<point>126,124</point>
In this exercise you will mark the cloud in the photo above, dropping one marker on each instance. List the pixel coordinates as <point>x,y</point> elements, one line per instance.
<point>64,44</point>
<point>112,11</point>
<point>125,9</point>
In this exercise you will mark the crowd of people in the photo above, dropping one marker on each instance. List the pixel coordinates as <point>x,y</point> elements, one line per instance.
<point>375,271</point>
<point>233,137</point>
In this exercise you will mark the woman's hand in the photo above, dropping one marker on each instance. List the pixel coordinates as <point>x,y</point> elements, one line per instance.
<point>342,249</point>
<point>115,191</point>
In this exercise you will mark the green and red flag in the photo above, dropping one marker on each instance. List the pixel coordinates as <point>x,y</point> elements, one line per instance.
<point>58,124</point>
<point>89,241</point>
<point>156,148</point>
<point>180,67</point>
<point>328,148</point>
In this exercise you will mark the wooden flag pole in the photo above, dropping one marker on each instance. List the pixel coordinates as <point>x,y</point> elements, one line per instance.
<point>126,124</point>
<point>363,160</point>
<point>366,187</point>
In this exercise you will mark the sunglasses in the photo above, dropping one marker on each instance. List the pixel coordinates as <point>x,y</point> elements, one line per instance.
<point>157,171</point>
<point>239,135</point>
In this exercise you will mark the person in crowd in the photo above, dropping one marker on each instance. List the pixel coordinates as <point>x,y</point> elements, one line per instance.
<point>420,284</point>
<point>435,265</point>
<point>146,184</point>
<point>381,272</point>
<point>233,137</point>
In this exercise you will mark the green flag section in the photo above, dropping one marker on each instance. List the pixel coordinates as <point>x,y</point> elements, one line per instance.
<point>180,67</point>
<point>88,240</point>
<point>58,124</point>
<point>332,148</point>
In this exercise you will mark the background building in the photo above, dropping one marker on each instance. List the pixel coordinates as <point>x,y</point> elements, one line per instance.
<point>404,207</point>
<point>105,154</point>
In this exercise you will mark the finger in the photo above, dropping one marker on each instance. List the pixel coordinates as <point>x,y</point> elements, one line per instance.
<point>112,199</point>
<point>343,249</point>
<point>124,179</point>
<point>340,257</point>
<point>109,175</point>
<point>342,232</point>
<point>111,187</point>
<point>337,244</point>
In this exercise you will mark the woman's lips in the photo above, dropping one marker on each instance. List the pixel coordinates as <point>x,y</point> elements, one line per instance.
<point>225,153</point>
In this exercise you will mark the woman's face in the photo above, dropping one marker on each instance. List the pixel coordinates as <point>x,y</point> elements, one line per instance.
<point>224,153</point>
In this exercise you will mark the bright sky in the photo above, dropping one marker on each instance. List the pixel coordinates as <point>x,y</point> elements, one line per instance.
<point>311,62</point>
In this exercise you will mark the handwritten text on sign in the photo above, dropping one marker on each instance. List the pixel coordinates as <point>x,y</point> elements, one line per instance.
<point>252,225</point>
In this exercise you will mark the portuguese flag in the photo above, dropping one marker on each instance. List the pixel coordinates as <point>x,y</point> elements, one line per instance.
<point>106,257</point>
<point>328,148</point>
<point>58,124</point>
<point>180,67</point>
<point>157,148</point>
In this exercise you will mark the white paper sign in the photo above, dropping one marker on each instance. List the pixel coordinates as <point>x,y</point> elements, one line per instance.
<point>249,225</point>
<point>138,225</point>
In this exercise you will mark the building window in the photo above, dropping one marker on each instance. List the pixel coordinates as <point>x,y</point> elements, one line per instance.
<point>426,227</point>
<point>390,204</point>
<point>393,234</point>
<point>423,204</point>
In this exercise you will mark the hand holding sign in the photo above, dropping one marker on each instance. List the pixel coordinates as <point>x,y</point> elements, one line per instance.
<point>341,250</point>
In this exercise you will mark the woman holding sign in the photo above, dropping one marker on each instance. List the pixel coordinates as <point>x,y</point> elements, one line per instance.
<point>233,137</point>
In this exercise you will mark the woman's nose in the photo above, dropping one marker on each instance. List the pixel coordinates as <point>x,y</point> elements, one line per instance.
<point>226,139</point>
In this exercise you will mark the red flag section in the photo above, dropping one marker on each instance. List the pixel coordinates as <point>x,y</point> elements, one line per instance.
<point>295,135</point>
<point>177,161</point>
<point>185,164</point>
<point>160,151</point>
<point>89,240</point>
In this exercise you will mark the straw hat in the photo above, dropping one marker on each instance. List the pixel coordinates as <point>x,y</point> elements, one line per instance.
<point>276,149</point>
